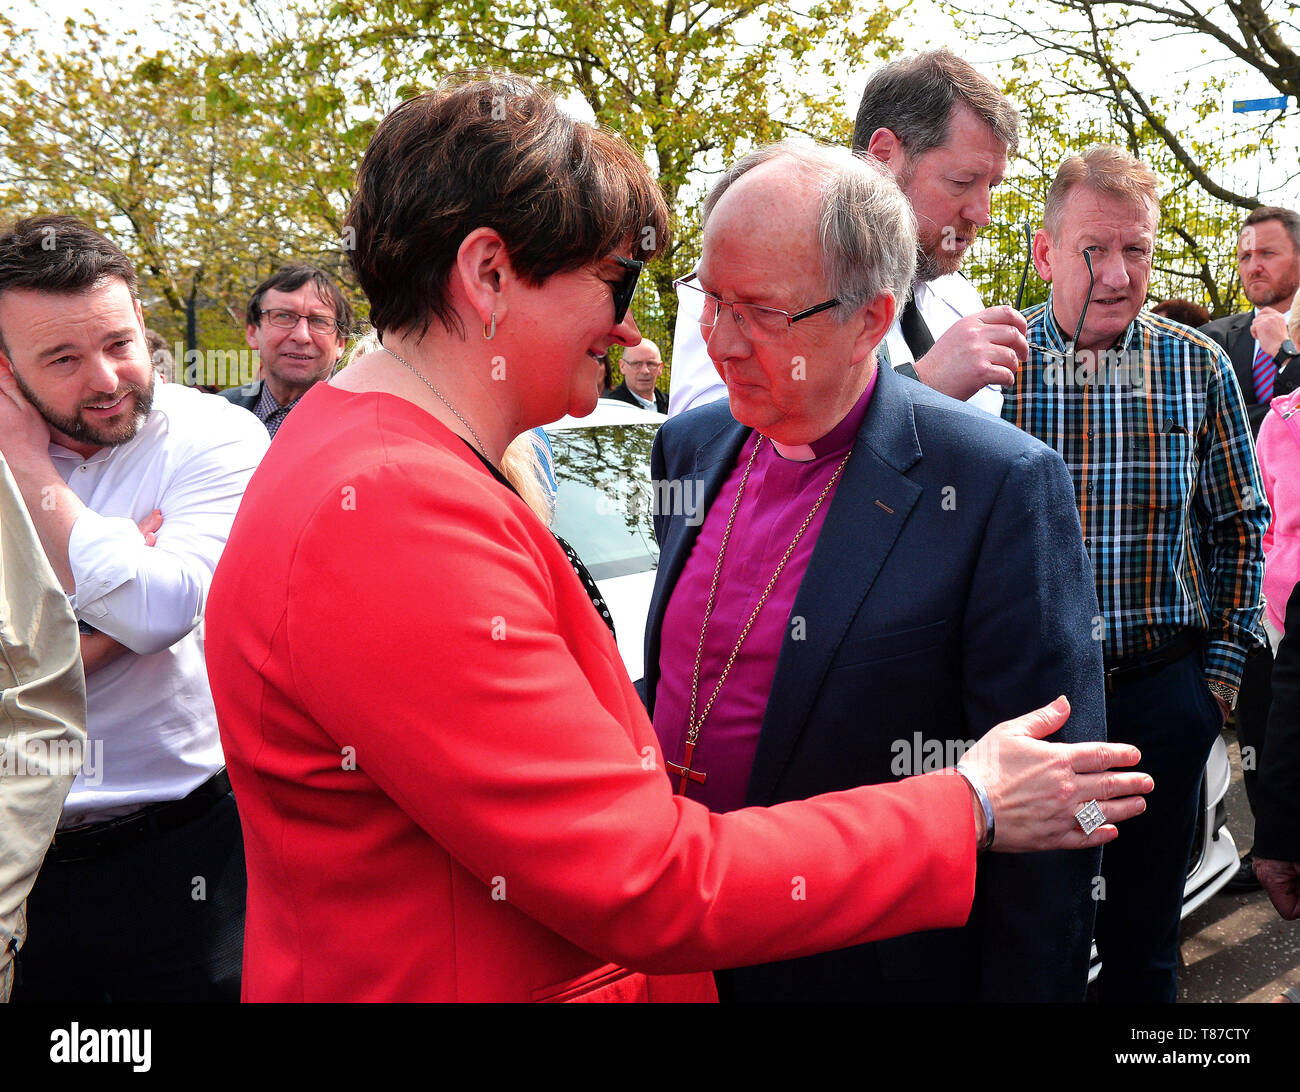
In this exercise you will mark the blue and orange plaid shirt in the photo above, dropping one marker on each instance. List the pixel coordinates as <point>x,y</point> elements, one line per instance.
<point>1155,435</point>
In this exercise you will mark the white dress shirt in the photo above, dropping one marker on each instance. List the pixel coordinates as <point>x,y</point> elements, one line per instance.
<point>151,724</point>
<point>695,381</point>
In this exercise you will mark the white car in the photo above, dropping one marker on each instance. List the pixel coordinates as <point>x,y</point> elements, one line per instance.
<point>603,509</point>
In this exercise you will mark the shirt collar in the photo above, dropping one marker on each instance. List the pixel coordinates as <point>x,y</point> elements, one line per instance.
<point>1055,339</point>
<point>266,404</point>
<point>156,422</point>
<point>840,438</point>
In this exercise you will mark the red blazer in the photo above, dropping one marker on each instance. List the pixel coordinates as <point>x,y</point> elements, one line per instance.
<point>448,787</point>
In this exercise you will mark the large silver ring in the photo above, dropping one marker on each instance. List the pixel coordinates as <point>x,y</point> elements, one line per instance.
<point>1090,817</point>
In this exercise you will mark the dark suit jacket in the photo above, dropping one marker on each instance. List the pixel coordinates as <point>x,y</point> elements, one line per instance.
<point>246,396</point>
<point>624,395</point>
<point>1233,333</point>
<point>1277,812</point>
<point>948,591</point>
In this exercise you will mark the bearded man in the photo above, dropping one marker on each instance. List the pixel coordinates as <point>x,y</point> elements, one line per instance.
<point>132,491</point>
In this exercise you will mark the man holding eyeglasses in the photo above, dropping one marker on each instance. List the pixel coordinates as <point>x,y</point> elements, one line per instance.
<point>298,320</point>
<point>858,576</point>
<point>1150,422</point>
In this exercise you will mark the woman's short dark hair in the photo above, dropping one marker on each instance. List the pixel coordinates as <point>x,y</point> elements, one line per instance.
<point>490,151</point>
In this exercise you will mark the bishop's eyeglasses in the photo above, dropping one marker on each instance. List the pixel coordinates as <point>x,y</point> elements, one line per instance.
<point>754,320</point>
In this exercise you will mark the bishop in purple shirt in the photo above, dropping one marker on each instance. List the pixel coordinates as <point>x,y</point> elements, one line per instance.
<point>882,574</point>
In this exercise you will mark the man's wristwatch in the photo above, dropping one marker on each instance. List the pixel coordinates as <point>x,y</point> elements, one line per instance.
<point>1286,353</point>
<point>1224,692</point>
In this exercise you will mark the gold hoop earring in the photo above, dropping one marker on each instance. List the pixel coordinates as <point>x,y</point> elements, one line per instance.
<point>488,335</point>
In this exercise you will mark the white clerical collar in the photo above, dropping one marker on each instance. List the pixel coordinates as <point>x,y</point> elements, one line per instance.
<point>839,438</point>
<point>799,453</point>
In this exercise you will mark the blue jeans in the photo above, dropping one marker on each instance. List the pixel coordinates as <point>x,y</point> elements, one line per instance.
<point>1173,718</point>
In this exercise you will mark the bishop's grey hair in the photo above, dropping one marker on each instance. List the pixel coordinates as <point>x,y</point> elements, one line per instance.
<point>867,228</point>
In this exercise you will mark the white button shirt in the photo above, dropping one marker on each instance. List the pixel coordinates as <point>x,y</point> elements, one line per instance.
<point>694,380</point>
<point>151,724</point>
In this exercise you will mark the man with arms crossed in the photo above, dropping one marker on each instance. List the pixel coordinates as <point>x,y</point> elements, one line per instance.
<point>141,897</point>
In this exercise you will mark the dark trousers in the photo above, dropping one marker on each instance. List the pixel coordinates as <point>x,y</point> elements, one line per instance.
<point>158,921</point>
<point>1172,717</point>
<point>1251,717</point>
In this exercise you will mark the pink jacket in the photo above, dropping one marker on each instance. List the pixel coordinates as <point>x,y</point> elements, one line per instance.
<point>1278,448</point>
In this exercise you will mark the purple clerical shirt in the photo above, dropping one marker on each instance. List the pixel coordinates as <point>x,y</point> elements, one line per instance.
<point>778,497</point>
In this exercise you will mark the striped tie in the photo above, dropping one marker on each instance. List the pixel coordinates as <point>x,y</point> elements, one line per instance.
<point>1264,372</point>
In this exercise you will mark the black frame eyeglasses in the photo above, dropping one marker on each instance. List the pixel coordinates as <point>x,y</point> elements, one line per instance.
<point>1087,299</point>
<point>752,319</point>
<point>1072,344</point>
<point>626,288</point>
<point>317,324</point>
<point>1029,260</point>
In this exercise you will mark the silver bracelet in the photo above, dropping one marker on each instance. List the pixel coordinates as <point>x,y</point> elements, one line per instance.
<point>983,797</point>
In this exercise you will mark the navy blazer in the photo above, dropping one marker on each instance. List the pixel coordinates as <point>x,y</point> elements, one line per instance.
<point>246,397</point>
<point>948,591</point>
<point>1233,333</point>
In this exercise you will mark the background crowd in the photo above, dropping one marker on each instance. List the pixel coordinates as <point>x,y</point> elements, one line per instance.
<point>320,596</point>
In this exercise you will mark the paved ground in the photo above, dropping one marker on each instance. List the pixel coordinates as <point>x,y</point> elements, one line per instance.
<point>1235,947</point>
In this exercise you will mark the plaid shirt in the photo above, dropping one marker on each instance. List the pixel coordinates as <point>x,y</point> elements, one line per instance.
<point>270,412</point>
<point>1155,435</point>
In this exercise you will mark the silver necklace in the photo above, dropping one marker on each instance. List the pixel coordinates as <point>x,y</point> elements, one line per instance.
<point>441,397</point>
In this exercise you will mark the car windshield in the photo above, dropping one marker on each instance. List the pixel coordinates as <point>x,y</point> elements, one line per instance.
<point>602,506</point>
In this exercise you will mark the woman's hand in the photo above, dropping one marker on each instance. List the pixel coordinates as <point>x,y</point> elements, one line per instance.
<point>1037,787</point>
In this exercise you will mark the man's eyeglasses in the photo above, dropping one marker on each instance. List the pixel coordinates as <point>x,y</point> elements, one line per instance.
<point>287,320</point>
<point>626,287</point>
<point>1083,313</point>
<point>1087,299</point>
<point>1029,260</point>
<point>753,320</point>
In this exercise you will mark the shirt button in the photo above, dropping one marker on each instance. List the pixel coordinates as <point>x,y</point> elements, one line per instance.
<point>1090,487</point>
<point>1090,434</point>
<point>1087,542</point>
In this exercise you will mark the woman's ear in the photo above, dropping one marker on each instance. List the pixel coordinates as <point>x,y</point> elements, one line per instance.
<point>485,274</point>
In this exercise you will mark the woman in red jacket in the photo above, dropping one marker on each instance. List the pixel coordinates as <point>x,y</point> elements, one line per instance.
<point>448,786</point>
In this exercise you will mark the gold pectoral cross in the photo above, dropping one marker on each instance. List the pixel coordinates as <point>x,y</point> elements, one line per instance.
<point>685,771</point>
